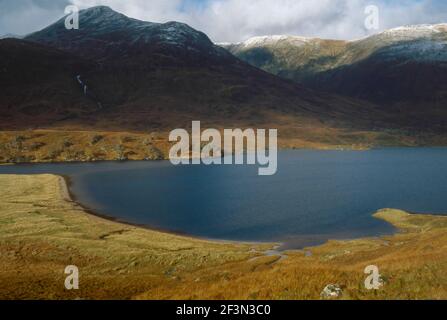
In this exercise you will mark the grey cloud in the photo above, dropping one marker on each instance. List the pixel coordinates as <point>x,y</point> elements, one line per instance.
<point>237,20</point>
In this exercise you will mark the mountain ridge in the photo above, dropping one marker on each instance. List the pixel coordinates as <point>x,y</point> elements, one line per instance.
<point>144,77</point>
<point>401,69</point>
<point>134,68</point>
<point>420,29</point>
<point>102,27</point>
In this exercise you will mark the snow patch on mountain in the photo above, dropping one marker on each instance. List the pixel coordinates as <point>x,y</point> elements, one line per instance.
<point>407,33</point>
<point>273,40</point>
<point>416,30</point>
<point>10,36</point>
<point>404,33</point>
<point>111,31</point>
<point>422,50</point>
<point>423,43</point>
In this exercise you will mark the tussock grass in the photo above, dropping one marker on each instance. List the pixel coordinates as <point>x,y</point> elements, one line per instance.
<point>69,146</point>
<point>42,231</point>
<point>84,145</point>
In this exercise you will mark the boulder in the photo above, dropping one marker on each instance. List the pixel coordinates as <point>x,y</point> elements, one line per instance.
<point>331,291</point>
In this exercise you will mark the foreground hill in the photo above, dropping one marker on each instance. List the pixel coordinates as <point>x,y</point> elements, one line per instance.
<point>403,70</point>
<point>42,231</point>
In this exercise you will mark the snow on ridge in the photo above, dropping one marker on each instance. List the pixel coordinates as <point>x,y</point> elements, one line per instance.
<point>403,32</point>
<point>415,30</point>
<point>419,27</point>
<point>269,40</point>
<point>408,32</point>
<point>223,44</point>
<point>10,36</point>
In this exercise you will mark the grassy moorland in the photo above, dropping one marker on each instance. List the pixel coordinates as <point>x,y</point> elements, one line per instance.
<point>42,231</point>
<point>66,146</point>
<point>77,144</point>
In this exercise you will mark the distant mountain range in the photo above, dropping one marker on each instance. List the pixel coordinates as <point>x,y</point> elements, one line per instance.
<point>125,75</point>
<point>402,70</point>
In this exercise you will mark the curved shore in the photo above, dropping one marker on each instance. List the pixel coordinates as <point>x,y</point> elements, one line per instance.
<point>65,183</point>
<point>42,231</point>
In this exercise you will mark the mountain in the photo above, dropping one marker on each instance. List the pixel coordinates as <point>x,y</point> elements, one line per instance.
<point>121,81</point>
<point>150,76</point>
<point>288,56</point>
<point>108,36</point>
<point>403,70</point>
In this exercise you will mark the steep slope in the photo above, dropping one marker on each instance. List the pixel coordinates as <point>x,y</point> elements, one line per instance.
<point>290,57</point>
<point>160,76</point>
<point>108,36</point>
<point>38,85</point>
<point>403,69</point>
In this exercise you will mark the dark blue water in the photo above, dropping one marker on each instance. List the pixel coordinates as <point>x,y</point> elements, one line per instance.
<point>315,196</point>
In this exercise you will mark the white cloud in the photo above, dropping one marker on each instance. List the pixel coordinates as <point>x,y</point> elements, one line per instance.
<point>153,10</point>
<point>237,20</point>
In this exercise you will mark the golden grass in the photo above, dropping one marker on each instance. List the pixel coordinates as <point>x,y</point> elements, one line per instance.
<point>42,231</point>
<point>66,146</point>
<point>412,263</point>
<point>71,144</point>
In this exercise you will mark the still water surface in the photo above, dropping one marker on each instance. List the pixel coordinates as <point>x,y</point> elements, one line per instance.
<point>315,196</point>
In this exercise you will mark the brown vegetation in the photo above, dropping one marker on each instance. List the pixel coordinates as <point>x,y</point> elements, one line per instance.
<point>42,231</point>
<point>70,146</point>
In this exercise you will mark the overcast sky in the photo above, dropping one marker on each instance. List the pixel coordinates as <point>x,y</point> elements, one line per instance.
<point>237,20</point>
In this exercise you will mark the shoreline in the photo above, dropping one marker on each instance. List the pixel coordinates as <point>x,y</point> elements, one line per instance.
<point>65,183</point>
<point>322,149</point>
<point>42,231</point>
<point>280,247</point>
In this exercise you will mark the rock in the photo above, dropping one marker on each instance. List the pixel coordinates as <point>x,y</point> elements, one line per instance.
<point>332,291</point>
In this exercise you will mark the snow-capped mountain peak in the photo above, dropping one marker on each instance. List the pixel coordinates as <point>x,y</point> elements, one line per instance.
<point>104,32</point>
